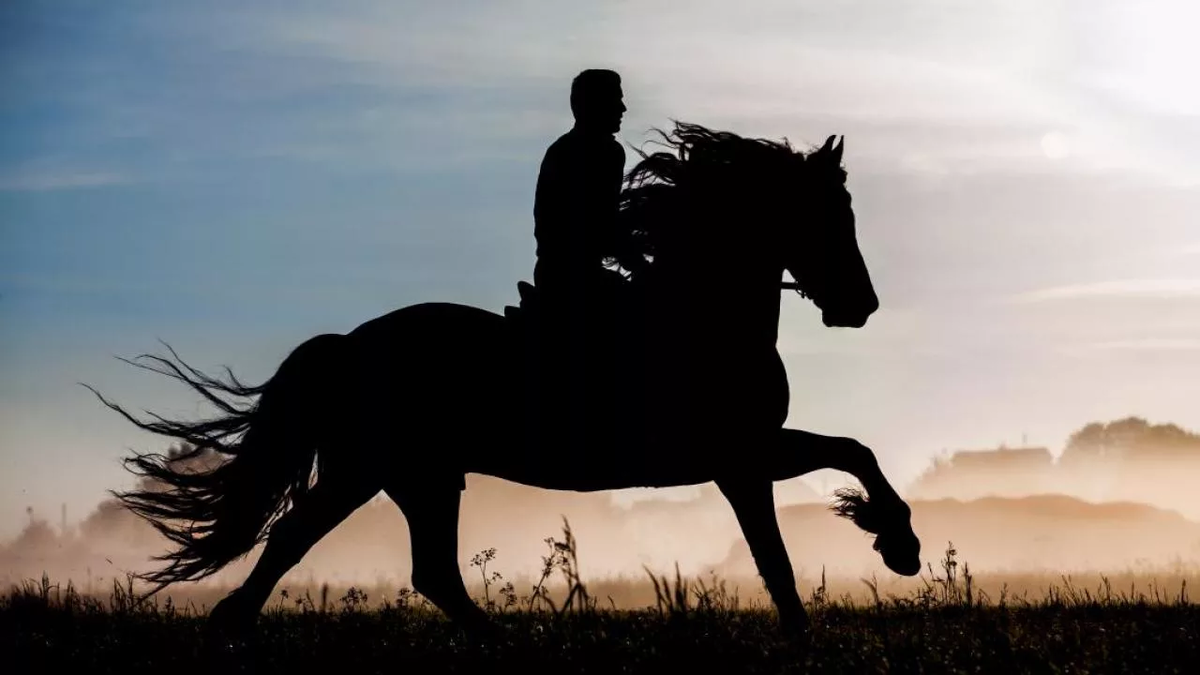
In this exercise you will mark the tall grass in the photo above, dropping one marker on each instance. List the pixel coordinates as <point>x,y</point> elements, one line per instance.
<point>560,589</point>
<point>947,623</point>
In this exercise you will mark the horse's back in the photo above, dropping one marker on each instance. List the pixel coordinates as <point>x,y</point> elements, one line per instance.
<point>426,310</point>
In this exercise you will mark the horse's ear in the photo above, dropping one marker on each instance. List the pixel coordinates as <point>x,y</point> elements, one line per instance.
<point>837,150</point>
<point>828,144</point>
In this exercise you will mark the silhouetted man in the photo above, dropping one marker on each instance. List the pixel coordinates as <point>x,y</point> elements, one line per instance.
<point>576,228</point>
<point>576,206</point>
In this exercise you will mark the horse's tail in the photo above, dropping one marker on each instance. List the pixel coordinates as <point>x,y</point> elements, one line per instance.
<point>265,454</point>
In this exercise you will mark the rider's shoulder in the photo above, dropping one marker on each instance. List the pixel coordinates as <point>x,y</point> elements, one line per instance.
<point>561,144</point>
<point>574,144</point>
<point>607,147</point>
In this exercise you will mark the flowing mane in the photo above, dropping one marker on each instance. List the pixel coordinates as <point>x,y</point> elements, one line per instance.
<point>697,159</point>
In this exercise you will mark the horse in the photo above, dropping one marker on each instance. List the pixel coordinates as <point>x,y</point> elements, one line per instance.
<point>409,402</point>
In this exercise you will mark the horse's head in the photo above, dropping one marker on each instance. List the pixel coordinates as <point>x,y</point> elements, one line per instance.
<point>726,202</point>
<point>822,253</point>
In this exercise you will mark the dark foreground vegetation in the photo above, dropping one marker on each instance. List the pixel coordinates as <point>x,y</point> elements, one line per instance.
<point>948,627</point>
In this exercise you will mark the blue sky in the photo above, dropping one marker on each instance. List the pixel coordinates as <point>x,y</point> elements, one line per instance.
<point>233,179</point>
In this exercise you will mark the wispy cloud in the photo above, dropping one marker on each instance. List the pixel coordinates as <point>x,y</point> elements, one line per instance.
<point>1129,288</point>
<point>35,181</point>
<point>997,65</point>
<point>1148,344</point>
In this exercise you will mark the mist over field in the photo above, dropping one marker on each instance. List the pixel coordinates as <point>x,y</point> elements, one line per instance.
<point>1117,499</point>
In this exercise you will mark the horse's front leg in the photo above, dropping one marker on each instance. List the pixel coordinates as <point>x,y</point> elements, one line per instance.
<point>881,511</point>
<point>802,452</point>
<point>753,503</point>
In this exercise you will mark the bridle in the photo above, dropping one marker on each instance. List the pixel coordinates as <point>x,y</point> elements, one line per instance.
<point>793,286</point>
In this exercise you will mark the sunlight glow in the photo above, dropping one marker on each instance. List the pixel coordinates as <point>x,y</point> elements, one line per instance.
<point>1055,145</point>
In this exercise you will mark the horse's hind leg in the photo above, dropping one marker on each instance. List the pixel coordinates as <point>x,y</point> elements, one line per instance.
<point>326,505</point>
<point>753,503</point>
<point>431,510</point>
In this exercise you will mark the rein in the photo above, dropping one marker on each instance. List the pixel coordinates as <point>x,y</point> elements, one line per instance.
<point>793,286</point>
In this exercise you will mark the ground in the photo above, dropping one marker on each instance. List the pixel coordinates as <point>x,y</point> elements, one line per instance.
<point>41,632</point>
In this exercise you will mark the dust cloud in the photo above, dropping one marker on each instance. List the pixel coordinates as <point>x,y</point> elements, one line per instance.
<point>1119,497</point>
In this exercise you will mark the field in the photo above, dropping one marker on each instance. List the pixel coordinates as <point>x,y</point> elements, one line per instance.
<point>947,625</point>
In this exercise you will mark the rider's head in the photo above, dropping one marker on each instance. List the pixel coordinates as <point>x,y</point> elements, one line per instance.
<point>597,100</point>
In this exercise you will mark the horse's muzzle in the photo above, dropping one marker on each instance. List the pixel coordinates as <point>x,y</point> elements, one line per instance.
<point>843,319</point>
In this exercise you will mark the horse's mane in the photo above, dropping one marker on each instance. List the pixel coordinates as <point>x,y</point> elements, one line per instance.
<point>695,156</point>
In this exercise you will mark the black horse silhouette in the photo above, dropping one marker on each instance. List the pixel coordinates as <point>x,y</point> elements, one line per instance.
<point>692,390</point>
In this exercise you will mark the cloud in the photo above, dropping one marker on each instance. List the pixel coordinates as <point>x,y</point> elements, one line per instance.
<point>1130,288</point>
<point>997,65</point>
<point>37,181</point>
<point>1148,344</point>
<point>922,90</point>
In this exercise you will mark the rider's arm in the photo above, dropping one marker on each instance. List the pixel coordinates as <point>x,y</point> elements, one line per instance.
<point>556,202</point>
<point>612,240</point>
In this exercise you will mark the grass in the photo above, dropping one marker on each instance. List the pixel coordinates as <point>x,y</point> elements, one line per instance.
<point>947,625</point>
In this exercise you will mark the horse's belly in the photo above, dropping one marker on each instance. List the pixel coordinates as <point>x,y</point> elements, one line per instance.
<point>456,378</point>
<point>585,468</point>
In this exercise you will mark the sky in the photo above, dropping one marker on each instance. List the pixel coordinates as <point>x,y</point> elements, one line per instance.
<point>233,178</point>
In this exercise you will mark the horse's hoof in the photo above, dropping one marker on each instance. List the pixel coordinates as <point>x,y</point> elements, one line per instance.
<point>231,618</point>
<point>901,553</point>
<point>486,629</point>
<point>796,629</point>
<point>477,624</point>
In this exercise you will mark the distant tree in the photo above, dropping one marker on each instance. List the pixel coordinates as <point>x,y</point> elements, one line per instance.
<point>1130,439</point>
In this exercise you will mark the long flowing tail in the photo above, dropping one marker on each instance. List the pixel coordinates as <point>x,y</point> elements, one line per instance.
<point>267,450</point>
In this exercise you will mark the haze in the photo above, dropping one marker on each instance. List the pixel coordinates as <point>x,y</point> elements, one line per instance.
<point>1117,500</point>
<point>234,179</point>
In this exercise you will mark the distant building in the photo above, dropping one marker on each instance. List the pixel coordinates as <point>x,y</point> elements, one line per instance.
<point>1002,471</point>
<point>1003,458</point>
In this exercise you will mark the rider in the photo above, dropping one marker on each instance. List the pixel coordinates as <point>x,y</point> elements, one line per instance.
<point>576,227</point>
<point>576,204</point>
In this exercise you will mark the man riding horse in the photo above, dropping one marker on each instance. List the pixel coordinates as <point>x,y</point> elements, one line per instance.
<point>576,226</point>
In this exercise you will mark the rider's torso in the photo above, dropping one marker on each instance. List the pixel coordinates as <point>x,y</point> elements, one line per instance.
<point>576,203</point>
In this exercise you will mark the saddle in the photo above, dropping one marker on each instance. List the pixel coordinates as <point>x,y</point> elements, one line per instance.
<point>529,304</point>
<point>535,319</point>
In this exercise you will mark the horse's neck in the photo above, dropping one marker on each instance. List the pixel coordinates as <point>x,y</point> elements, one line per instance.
<point>755,298</point>
<point>738,307</point>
